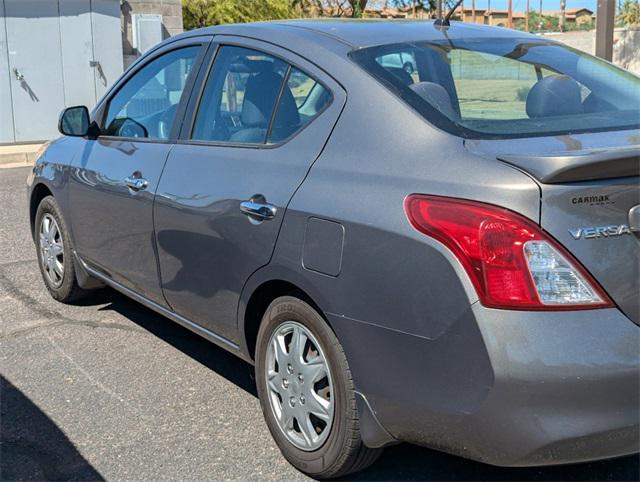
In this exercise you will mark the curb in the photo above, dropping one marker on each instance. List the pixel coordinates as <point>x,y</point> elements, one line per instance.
<point>12,165</point>
<point>18,155</point>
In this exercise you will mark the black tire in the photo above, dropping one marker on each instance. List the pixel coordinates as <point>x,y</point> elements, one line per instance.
<point>68,291</point>
<point>343,451</point>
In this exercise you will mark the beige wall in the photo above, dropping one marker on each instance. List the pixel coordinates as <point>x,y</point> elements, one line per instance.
<point>480,18</point>
<point>626,46</point>
<point>497,19</point>
<point>171,11</point>
<point>502,20</point>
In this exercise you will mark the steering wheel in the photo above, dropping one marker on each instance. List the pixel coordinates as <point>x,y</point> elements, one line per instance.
<point>166,121</point>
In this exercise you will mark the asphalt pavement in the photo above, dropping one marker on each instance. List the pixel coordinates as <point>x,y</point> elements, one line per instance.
<point>110,390</point>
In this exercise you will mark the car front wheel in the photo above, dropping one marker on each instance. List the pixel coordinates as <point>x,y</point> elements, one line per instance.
<point>54,253</point>
<point>306,392</point>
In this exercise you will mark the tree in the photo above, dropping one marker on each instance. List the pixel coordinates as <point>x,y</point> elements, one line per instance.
<point>318,8</point>
<point>629,12</point>
<point>419,4</point>
<point>195,13</point>
<point>357,7</point>
<point>201,13</point>
<point>546,23</point>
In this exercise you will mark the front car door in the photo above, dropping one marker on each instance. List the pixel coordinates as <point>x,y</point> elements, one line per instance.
<point>114,179</point>
<point>261,119</point>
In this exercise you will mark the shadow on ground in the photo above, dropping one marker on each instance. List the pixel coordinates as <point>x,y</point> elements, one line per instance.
<point>400,462</point>
<point>32,447</point>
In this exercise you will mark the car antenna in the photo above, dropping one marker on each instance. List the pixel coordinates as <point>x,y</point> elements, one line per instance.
<point>444,22</point>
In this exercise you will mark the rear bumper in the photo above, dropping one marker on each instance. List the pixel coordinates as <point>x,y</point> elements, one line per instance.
<point>506,388</point>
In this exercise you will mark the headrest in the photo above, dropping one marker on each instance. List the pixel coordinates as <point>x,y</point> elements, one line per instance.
<point>553,96</point>
<point>288,118</point>
<point>437,96</point>
<point>259,95</point>
<point>401,74</point>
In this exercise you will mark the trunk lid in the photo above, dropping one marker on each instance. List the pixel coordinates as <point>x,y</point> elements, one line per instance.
<point>590,201</point>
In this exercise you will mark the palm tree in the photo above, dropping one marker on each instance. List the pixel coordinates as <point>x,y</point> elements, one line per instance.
<point>563,8</point>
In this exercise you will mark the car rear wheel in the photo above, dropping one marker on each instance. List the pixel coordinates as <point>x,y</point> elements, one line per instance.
<point>306,392</point>
<point>55,257</point>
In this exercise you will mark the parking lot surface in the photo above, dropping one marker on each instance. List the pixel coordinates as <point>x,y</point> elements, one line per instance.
<point>110,390</point>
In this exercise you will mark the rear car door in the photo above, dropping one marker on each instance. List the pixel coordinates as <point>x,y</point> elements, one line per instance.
<point>261,117</point>
<point>114,178</point>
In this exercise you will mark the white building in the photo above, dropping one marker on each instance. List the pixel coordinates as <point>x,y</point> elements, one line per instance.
<point>59,53</point>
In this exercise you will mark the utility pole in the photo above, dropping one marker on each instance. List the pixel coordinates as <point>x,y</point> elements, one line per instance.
<point>439,9</point>
<point>510,15</point>
<point>526,18</point>
<point>563,8</point>
<point>473,10</point>
<point>540,17</point>
<point>605,19</point>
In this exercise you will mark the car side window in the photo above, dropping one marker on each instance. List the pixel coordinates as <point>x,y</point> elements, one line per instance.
<point>301,100</point>
<point>239,98</point>
<point>146,105</point>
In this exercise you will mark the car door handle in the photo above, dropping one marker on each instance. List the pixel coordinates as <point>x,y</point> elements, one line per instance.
<point>260,210</point>
<point>136,183</point>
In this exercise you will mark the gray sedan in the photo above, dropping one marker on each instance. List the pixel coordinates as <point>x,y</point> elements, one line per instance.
<point>445,255</point>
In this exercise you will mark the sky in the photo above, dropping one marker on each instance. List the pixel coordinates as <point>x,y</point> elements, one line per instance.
<point>520,5</point>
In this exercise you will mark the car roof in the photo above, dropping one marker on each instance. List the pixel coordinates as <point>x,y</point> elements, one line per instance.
<point>363,33</point>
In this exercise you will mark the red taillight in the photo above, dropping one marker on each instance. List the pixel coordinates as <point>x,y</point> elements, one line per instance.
<point>512,263</point>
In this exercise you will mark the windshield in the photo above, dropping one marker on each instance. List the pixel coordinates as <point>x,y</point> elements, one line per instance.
<point>497,88</point>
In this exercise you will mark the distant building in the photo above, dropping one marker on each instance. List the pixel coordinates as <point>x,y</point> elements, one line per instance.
<point>579,16</point>
<point>467,15</point>
<point>497,18</point>
<point>408,12</point>
<point>500,18</point>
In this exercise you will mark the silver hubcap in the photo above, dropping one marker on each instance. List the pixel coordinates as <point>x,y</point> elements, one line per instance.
<point>299,385</point>
<point>51,250</point>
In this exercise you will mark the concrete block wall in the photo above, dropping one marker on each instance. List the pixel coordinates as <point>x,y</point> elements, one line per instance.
<point>626,45</point>
<point>171,11</point>
<point>626,49</point>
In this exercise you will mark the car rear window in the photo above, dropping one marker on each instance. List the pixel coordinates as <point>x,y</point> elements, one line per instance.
<point>501,88</point>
